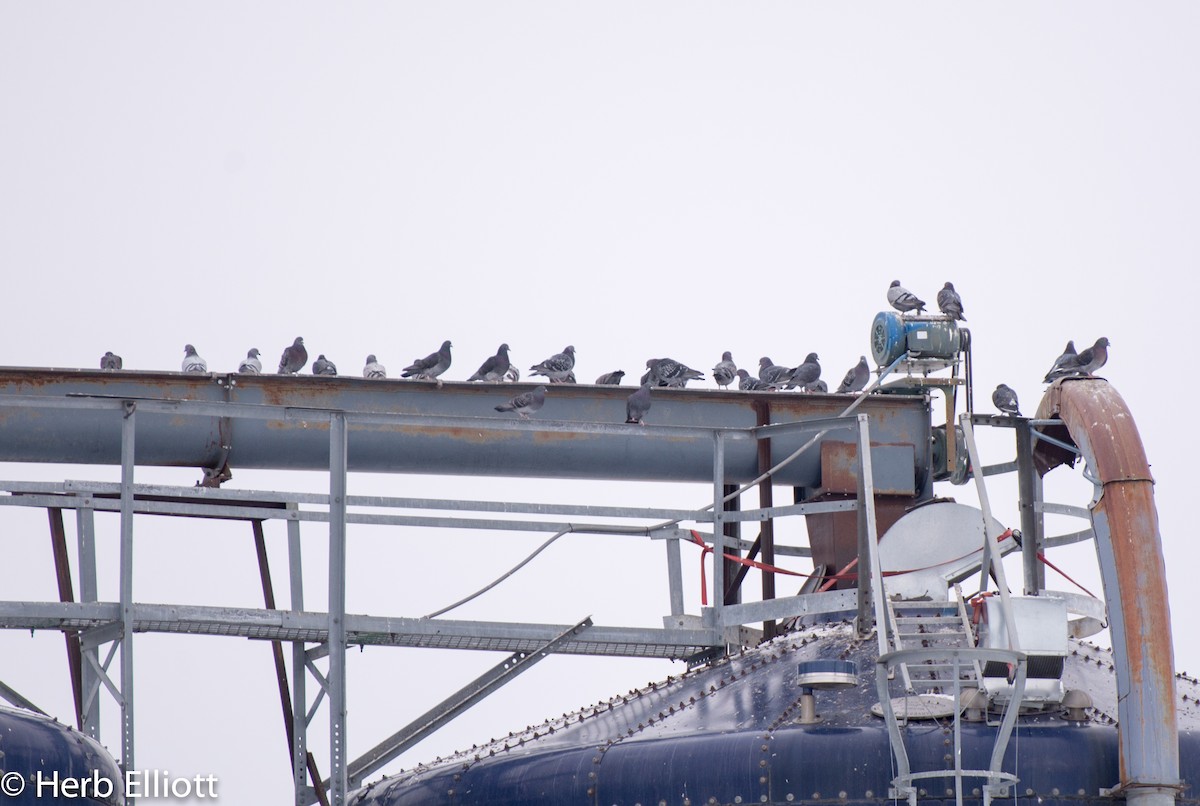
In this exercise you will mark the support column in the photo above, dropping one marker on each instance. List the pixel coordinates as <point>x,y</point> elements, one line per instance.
<point>337,609</point>
<point>85,533</point>
<point>1029,491</point>
<point>718,583</point>
<point>299,672</point>
<point>126,583</point>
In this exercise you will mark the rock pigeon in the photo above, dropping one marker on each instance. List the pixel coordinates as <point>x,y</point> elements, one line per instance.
<point>771,373</point>
<point>1064,364</point>
<point>856,377</point>
<point>725,372</point>
<point>1005,399</point>
<point>373,369</point>
<point>638,404</point>
<point>611,378</point>
<point>950,303</point>
<point>513,375</point>
<point>904,300</point>
<point>323,366</point>
<point>294,358</point>
<point>111,360</point>
<point>669,372</point>
<point>250,364</point>
<point>192,362</point>
<point>748,383</point>
<point>818,386</point>
<point>806,374</point>
<point>1093,357</point>
<point>557,367</point>
<point>494,368</point>
<point>525,403</point>
<point>431,366</point>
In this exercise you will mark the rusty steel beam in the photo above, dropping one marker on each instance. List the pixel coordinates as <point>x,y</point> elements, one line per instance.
<point>66,593</point>
<point>1129,546</point>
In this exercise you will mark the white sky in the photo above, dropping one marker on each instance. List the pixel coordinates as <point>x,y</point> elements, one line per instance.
<point>635,179</point>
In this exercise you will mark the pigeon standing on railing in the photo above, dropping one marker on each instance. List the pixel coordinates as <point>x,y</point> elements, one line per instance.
<point>748,383</point>
<point>294,358</point>
<point>525,403</point>
<point>611,378</point>
<point>1005,399</point>
<point>856,377</point>
<point>805,375</point>
<point>950,303</point>
<point>725,372</point>
<point>669,372</point>
<point>638,404</point>
<point>1064,364</point>
<point>904,300</point>
<point>251,365</point>
<point>771,373</point>
<point>431,366</point>
<point>111,360</point>
<point>1093,357</point>
<point>373,369</point>
<point>494,368</point>
<point>192,362</point>
<point>323,366</point>
<point>558,367</point>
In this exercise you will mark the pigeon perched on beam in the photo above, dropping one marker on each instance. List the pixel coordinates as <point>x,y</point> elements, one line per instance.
<point>748,383</point>
<point>557,367</point>
<point>111,360</point>
<point>294,358</point>
<point>1064,364</point>
<point>431,366</point>
<point>1005,399</point>
<point>1094,357</point>
<point>669,372</point>
<point>725,372</point>
<point>806,374</point>
<point>950,303</point>
<point>904,300</point>
<point>494,368</point>
<point>192,362</point>
<point>771,373</point>
<point>638,404</point>
<point>856,377</point>
<point>525,403</point>
<point>373,369</point>
<point>611,378</point>
<point>251,365</point>
<point>323,366</point>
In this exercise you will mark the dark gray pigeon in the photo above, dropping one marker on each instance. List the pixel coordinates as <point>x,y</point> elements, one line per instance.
<point>611,378</point>
<point>1093,357</point>
<point>771,373</point>
<point>192,362</point>
<point>1005,399</point>
<point>431,366</point>
<point>111,360</point>
<point>669,372</point>
<point>748,383</point>
<point>638,404</point>
<point>323,366</point>
<point>525,403</point>
<point>904,300</point>
<point>557,367</point>
<point>806,374</point>
<point>494,368</point>
<point>856,377</point>
<point>818,386</point>
<point>950,303</point>
<point>373,369</point>
<point>725,372</point>
<point>294,358</point>
<point>251,365</point>
<point>1064,364</point>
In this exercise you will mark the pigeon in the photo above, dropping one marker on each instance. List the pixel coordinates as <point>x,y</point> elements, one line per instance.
<point>525,403</point>
<point>250,364</point>
<point>806,374</point>
<point>513,375</point>
<point>323,366</point>
<point>294,358</point>
<point>1005,399</point>
<point>669,372</point>
<point>431,366</point>
<point>819,386</point>
<point>1093,357</point>
<point>748,383</point>
<point>611,378</point>
<point>494,368</point>
<point>1064,364</point>
<point>557,367</point>
<point>373,369</point>
<point>111,360</point>
<point>725,372</point>
<point>856,377</point>
<point>771,373</point>
<point>904,300</point>
<point>950,303</point>
<point>192,362</point>
<point>638,404</point>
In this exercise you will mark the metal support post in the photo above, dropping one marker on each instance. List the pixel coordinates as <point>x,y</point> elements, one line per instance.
<point>127,465</point>
<point>1029,491</point>
<point>870,573</point>
<point>337,608</point>
<point>85,534</point>
<point>66,593</point>
<point>718,583</point>
<point>766,501</point>
<point>674,575</point>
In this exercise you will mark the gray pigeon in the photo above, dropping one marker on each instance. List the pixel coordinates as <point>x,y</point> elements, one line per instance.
<point>856,377</point>
<point>669,372</point>
<point>192,362</point>
<point>323,366</point>
<point>725,372</point>
<point>611,378</point>
<point>513,375</point>
<point>638,404</point>
<point>771,373</point>
<point>818,386</point>
<point>904,300</point>
<point>431,366</point>
<point>1093,357</point>
<point>525,403</point>
<point>111,360</point>
<point>748,383</point>
<point>557,367</point>
<point>494,368</point>
<point>250,364</point>
<point>1064,364</point>
<point>950,303</point>
<point>294,358</point>
<point>806,374</point>
<point>373,369</point>
<point>1005,399</point>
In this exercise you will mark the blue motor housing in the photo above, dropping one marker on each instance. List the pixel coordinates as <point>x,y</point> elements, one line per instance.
<point>922,337</point>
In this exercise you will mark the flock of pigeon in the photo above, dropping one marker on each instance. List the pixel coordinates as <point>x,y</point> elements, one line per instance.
<point>660,372</point>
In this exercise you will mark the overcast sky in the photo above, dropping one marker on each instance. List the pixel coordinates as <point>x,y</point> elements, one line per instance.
<point>635,179</point>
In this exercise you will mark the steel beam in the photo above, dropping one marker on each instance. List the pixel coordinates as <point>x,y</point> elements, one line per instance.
<point>128,460</point>
<point>338,787</point>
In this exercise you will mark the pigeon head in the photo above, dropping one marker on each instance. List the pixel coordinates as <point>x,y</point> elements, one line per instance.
<point>1102,342</point>
<point>811,357</point>
<point>253,353</point>
<point>298,342</point>
<point>371,358</point>
<point>894,284</point>
<point>949,286</point>
<point>726,356</point>
<point>504,348</point>
<point>188,349</point>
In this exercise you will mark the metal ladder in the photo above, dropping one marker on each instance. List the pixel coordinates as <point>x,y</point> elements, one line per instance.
<point>928,625</point>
